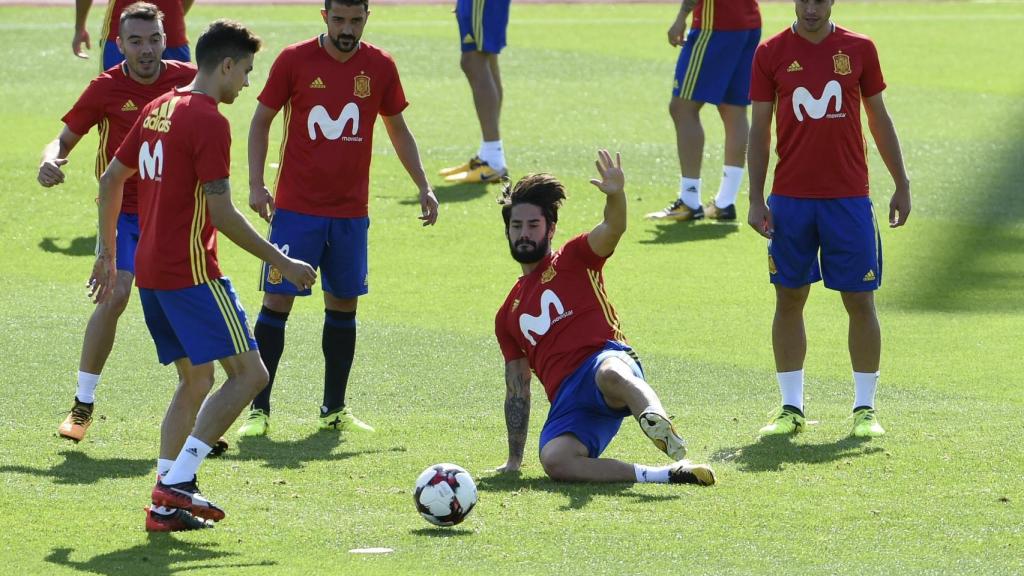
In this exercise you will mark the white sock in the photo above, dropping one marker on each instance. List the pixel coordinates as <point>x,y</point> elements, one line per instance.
<point>163,466</point>
<point>188,461</point>
<point>791,385</point>
<point>493,154</point>
<point>689,191</point>
<point>864,385</point>
<point>732,177</point>
<point>87,387</point>
<point>658,474</point>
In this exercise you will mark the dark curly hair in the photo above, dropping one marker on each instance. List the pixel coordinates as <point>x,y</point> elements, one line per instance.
<point>542,190</point>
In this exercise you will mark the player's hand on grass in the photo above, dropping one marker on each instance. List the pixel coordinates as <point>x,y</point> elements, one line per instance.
<point>760,219</point>
<point>677,33</point>
<point>81,37</point>
<point>104,277</point>
<point>428,207</point>
<point>899,207</point>
<point>50,173</point>
<point>299,273</point>
<point>261,201</point>
<point>612,181</point>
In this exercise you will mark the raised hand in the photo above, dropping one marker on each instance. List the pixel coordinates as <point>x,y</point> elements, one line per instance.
<point>612,181</point>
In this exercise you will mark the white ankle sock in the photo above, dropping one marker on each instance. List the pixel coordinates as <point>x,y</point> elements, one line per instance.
<point>658,474</point>
<point>689,191</point>
<point>493,154</point>
<point>188,461</point>
<point>791,385</point>
<point>87,387</point>
<point>732,177</point>
<point>163,466</point>
<point>864,385</point>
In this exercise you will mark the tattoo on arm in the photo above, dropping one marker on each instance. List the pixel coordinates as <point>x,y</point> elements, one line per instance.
<point>517,408</point>
<point>217,187</point>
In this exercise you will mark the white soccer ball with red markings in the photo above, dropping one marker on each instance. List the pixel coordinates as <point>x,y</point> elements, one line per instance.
<point>445,494</point>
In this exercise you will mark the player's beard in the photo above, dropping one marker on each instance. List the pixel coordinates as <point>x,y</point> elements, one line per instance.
<point>531,256</point>
<point>338,42</point>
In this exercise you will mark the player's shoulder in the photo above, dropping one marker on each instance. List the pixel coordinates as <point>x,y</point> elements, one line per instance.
<point>301,49</point>
<point>107,79</point>
<point>176,68</point>
<point>854,40</point>
<point>377,54</point>
<point>780,38</point>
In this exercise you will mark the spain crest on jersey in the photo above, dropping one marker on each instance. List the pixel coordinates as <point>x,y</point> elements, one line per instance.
<point>841,64</point>
<point>362,86</point>
<point>548,275</point>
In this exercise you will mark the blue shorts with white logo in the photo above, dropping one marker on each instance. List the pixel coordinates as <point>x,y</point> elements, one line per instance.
<point>579,407</point>
<point>482,24</point>
<point>205,322</point>
<point>127,241</point>
<point>843,230</point>
<point>112,56</point>
<point>714,66</point>
<point>336,246</point>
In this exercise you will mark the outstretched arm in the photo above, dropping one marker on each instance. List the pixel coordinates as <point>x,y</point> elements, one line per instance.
<point>517,411</point>
<point>884,132</point>
<point>54,156</point>
<point>758,150</point>
<point>605,236</point>
<point>408,153</point>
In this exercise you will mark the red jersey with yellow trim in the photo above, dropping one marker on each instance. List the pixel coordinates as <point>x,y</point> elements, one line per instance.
<point>112,102</point>
<point>558,315</point>
<point>330,108</point>
<point>817,90</point>
<point>174,20</point>
<point>179,143</point>
<point>726,15</point>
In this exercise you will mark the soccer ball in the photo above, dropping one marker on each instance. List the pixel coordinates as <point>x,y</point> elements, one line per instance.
<point>445,494</point>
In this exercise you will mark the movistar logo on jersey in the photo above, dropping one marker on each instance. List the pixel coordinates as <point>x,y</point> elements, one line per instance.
<point>817,108</point>
<point>540,324</point>
<point>159,119</point>
<point>151,161</point>
<point>332,128</point>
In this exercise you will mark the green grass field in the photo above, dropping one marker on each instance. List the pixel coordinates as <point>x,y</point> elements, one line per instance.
<point>940,494</point>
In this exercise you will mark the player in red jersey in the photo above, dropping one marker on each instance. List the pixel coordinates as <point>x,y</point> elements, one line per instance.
<point>814,76</point>
<point>557,322</point>
<point>180,146</point>
<point>113,49</point>
<point>332,88</point>
<point>112,102</point>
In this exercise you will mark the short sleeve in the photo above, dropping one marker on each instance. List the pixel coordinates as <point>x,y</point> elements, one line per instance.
<point>578,250</point>
<point>871,81</point>
<point>88,109</point>
<point>510,349</point>
<point>278,88</point>
<point>128,152</point>
<point>211,154</point>
<point>762,84</point>
<point>394,100</point>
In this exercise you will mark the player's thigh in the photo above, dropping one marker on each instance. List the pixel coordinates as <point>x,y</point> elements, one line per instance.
<point>344,270</point>
<point>737,92</point>
<point>483,24</point>
<point>706,65</point>
<point>179,53</point>
<point>560,449</point>
<point>209,320</point>
<point>300,236</point>
<point>127,241</point>
<point>851,246</point>
<point>793,248</point>
<point>168,347</point>
<point>615,377</point>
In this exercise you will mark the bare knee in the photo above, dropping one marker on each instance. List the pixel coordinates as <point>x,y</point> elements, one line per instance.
<point>859,304</point>
<point>789,301</point>
<point>474,64</point>
<point>684,111</point>
<point>279,302</point>
<point>555,466</point>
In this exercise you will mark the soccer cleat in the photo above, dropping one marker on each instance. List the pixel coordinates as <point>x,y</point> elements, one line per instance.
<point>677,211</point>
<point>713,212</point>
<point>464,167</point>
<point>77,422</point>
<point>479,171</point>
<point>660,430</point>
<point>686,472</point>
<point>865,423</point>
<point>257,423</point>
<point>343,420</point>
<point>788,421</point>
<point>185,495</point>
<point>176,521</point>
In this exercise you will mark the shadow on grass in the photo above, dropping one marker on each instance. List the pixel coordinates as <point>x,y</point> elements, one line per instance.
<point>441,532</point>
<point>690,232</point>
<point>80,468</point>
<point>770,453</point>
<point>294,454</point>
<point>81,246</point>
<point>162,555</point>
<point>454,193</point>
<point>579,494</point>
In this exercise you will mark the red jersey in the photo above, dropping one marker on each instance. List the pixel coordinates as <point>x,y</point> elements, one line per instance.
<point>558,315</point>
<point>817,89</point>
<point>112,102</point>
<point>726,15</point>
<point>330,108</point>
<point>174,20</point>
<point>179,142</point>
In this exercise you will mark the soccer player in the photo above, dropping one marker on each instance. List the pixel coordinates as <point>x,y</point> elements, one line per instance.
<point>482,27</point>
<point>112,102</point>
<point>113,51</point>
<point>180,146</point>
<point>332,87</point>
<point>713,68</point>
<point>558,323</point>
<point>815,75</point>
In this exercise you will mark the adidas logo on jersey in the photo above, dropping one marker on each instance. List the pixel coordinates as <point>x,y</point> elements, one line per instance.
<point>318,83</point>
<point>870,276</point>
<point>794,67</point>
<point>129,106</point>
<point>159,119</point>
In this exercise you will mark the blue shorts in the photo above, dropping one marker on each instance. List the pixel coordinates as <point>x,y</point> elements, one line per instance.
<point>714,66</point>
<point>112,56</point>
<point>205,322</point>
<point>482,24</point>
<point>337,246</point>
<point>127,241</point>
<point>579,407</point>
<point>845,232</point>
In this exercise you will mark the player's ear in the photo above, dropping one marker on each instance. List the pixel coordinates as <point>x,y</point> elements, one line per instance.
<point>323,14</point>
<point>120,45</point>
